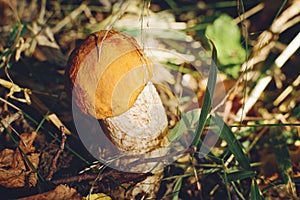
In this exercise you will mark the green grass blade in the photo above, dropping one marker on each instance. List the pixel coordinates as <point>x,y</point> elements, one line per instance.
<point>42,122</point>
<point>281,8</point>
<point>236,189</point>
<point>176,189</point>
<point>240,175</point>
<point>226,183</point>
<point>210,88</point>
<point>233,144</point>
<point>255,192</point>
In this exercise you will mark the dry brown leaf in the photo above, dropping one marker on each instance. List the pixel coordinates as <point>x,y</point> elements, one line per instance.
<point>6,157</point>
<point>26,140</point>
<point>14,169</point>
<point>14,177</point>
<point>61,192</point>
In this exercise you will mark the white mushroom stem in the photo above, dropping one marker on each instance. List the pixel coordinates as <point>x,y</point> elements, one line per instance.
<point>143,126</point>
<point>142,131</point>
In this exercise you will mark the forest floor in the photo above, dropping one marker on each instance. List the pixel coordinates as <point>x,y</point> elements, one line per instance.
<point>257,155</point>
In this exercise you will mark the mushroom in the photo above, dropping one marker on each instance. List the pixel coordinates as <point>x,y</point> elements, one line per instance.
<point>110,78</point>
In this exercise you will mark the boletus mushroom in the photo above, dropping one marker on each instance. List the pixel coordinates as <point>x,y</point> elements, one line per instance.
<point>110,78</point>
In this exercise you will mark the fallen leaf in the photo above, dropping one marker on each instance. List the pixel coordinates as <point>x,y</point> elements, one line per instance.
<point>15,170</point>
<point>61,192</point>
<point>14,177</point>
<point>26,140</point>
<point>6,157</point>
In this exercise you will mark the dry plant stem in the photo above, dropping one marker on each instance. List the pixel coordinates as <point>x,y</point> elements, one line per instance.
<point>8,120</point>
<point>262,48</point>
<point>262,84</point>
<point>117,14</point>
<point>266,40</point>
<point>287,91</point>
<point>42,12</point>
<point>55,159</point>
<point>69,18</point>
<point>249,13</point>
<point>10,104</point>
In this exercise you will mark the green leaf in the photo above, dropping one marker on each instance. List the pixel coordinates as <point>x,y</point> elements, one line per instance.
<point>227,38</point>
<point>187,121</point>
<point>255,192</point>
<point>208,96</point>
<point>233,144</point>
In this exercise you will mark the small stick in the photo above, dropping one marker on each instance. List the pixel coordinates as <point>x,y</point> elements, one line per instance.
<point>123,178</point>
<point>79,178</point>
<point>189,150</point>
<point>60,150</point>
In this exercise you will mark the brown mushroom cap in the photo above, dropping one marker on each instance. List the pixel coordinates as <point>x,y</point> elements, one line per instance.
<point>106,73</point>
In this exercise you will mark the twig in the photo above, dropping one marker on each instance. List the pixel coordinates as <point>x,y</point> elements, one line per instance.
<point>10,104</point>
<point>189,150</point>
<point>81,177</point>
<point>60,150</point>
<point>123,177</point>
